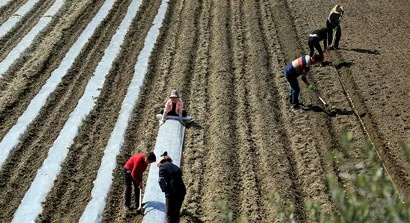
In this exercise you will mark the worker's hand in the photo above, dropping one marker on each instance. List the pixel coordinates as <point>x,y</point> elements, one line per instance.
<point>310,86</point>
<point>140,186</point>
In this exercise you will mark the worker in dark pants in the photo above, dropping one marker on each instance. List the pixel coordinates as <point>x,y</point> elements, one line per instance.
<point>174,106</point>
<point>314,40</point>
<point>133,170</point>
<point>333,23</point>
<point>296,68</point>
<point>171,183</point>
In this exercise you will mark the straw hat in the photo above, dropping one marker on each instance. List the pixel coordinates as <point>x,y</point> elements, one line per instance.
<point>338,9</point>
<point>174,94</point>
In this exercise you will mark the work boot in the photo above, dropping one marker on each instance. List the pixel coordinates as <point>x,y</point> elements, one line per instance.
<point>296,106</point>
<point>334,48</point>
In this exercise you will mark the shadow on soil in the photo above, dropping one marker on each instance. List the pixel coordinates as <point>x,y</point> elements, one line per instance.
<point>330,112</point>
<point>374,52</point>
<point>326,63</point>
<point>343,64</point>
<point>193,125</point>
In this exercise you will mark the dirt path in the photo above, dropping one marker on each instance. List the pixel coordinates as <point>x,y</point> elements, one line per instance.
<point>246,145</point>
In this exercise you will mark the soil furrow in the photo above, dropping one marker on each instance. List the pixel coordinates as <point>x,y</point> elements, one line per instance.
<point>222,158</point>
<point>74,184</point>
<point>11,39</point>
<point>385,144</point>
<point>185,52</point>
<point>340,113</point>
<point>288,162</point>
<point>195,149</point>
<point>345,90</point>
<point>390,158</point>
<point>34,69</point>
<point>11,7</point>
<point>250,194</point>
<point>178,53</point>
<point>143,127</point>
<point>40,135</point>
<point>272,137</point>
<point>246,145</point>
<point>310,150</point>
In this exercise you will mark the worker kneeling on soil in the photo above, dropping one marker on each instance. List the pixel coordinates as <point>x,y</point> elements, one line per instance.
<point>174,106</point>
<point>171,183</point>
<point>298,67</point>
<point>133,170</point>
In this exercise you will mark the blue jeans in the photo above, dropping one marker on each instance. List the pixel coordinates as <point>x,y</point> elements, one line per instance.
<point>294,87</point>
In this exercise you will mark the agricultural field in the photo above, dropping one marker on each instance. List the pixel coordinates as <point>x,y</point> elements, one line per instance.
<point>76,75</point>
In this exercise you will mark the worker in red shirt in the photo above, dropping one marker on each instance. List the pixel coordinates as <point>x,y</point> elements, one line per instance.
<point>133,170</point>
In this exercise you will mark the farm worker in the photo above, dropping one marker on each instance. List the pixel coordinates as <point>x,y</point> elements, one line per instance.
<point>314,40</point>
<point>174,106</point>
<point>333,22</point>
<point>171,183</point>
<point>298,67</point>
<point>133,170</point>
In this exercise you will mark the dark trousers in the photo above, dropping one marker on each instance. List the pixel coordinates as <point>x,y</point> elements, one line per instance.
<point>173,113</point>
<point>330,29</point>
<point>173,206</point>
<point>129,182</point>
<point>294,88</point>
<point>314,43</point>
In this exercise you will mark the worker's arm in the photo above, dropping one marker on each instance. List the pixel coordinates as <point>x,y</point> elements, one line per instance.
<point>304,79</point>
<point>164,115</point>
<point>163,180</point>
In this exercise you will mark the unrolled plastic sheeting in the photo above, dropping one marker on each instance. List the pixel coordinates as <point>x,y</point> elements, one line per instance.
<point>170,138</point>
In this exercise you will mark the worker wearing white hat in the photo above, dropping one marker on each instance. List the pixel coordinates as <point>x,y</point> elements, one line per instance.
<point>333,23</point>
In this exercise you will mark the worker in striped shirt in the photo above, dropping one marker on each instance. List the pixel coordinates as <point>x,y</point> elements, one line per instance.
<point>296,68</point>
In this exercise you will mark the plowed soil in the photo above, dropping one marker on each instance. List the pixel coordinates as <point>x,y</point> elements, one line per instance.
<point>246,145</point>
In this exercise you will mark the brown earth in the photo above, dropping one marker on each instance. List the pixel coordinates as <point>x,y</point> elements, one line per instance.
<point>227,59</point>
